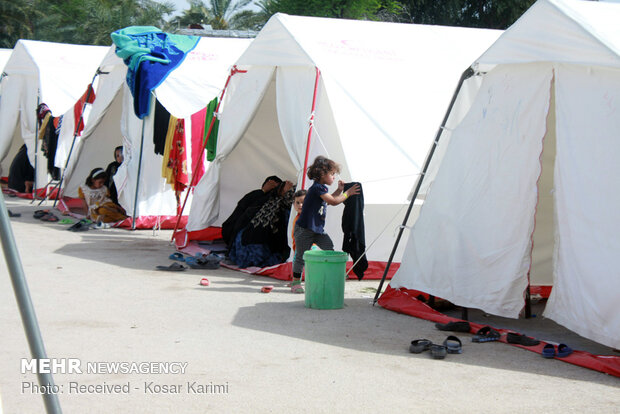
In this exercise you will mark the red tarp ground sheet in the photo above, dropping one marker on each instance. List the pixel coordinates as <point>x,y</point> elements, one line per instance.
<point>404,301</point>
<point>40,193</point>
<point>75,207</point>
<point>186,242</point>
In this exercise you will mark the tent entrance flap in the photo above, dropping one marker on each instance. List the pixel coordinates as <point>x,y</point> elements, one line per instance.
<point>260,152</point>
<point>543,237</point>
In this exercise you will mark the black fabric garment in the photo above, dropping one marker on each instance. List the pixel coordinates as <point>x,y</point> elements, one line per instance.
<point>269,223</point>
<point>243,213</point>
<point>354,238</point>
<point>160,128</point>
<point>20,171</point>
<point>50,142</point>
<point>109,181</point>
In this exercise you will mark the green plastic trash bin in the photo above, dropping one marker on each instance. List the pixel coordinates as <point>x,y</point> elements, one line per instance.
<point>325,276</point>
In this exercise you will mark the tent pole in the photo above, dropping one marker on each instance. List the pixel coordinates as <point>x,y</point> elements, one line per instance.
<point>135,200</point>
<point>36,145</point>
<point>466,75</point>
<point>78,125</point>
<point>26,310</point>
<point>192,182</point>
<point>316,87</point>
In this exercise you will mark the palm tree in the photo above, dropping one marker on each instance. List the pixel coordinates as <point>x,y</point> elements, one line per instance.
<point>17,21</point>
<point>218,13</point>
<point>223,10</point>
<point>252,20</point>
<point>198,13</point>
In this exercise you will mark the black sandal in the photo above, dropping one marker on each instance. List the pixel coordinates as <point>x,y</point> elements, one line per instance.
<point>419,345</point>
<point>486,334</point>
<point>438,351</point>
<point>453,345</point>
<point>457,326</point>
<point>174,267</point>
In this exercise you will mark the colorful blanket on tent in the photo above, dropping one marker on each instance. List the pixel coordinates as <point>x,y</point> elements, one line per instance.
<point>150,55</point>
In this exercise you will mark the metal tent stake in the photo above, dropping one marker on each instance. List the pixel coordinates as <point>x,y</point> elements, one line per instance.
<point>466,75</point>
<point>24,303</point>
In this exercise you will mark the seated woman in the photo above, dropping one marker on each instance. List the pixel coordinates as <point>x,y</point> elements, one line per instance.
<point>111,170</point>
<point>261,237</point>
<point>94,192</point>
<point>252,200</point>
<point>21,173</point>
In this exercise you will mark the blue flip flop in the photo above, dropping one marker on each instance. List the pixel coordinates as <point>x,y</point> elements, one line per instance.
<point>564,350</point>
<point>548,351</point>
<point>196,263</point>
<point>177,256</point>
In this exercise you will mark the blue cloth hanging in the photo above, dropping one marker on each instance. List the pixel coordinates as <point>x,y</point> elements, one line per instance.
<point>150,56</point>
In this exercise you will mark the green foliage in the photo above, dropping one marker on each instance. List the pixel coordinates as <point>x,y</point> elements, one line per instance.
<point>218,13</point>
<point>348,9</point>
<point>92,21</point>
<point>77,21</point>
<point>17,21</point>
<point>493,14</point>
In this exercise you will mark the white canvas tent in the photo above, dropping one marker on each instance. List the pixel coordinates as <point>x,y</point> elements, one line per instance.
<point>379,99</point>
<point>112,122</point>
<point>524,190</point>
<point>56,74</point>
<point>5,54</point>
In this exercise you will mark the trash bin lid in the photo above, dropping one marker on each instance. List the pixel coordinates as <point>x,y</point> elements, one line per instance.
<point>332,256</point>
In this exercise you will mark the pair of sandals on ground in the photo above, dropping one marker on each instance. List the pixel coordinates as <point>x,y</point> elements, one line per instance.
<point>200,261</point>
<point>453,345</point>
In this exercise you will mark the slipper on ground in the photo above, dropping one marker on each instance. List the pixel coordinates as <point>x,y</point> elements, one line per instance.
<point>564,350</point>
<point>40,213</point>
<point>196,263</point>
<point>456,326</point>
<point>486,334</point>
<point>453,345</point>
<point>174,267</point>
<point>548,351</point>
<point>49,217</point>
<point>516,338</point>
<point>177,256</point>
<point>419,345</point>
<point>438,351</point>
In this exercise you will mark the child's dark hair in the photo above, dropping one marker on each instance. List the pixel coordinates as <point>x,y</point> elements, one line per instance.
<point>119,148</point>
<point>320,167</point>
<point>95,174</point>
<point>299,193</point>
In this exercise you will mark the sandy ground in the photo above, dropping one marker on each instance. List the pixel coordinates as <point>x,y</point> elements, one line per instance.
<point>99,299</point>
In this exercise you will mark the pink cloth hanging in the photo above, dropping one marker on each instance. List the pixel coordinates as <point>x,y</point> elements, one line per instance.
<point>198,131</point>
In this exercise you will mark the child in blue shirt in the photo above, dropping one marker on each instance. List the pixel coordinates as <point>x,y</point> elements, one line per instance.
<point>309,228</point>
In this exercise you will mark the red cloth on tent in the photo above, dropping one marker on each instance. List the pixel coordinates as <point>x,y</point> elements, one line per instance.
<point>79,105</point>
<point>198,131</point>
<point>405,301</point>
<point>177,161</point>
<point>40,193</point>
